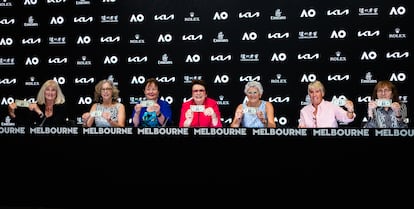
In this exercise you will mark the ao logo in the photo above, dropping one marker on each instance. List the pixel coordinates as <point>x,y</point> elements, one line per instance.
<point>221,79</point>
<point>193,58</point>
<point>7,101</point>
<point>32,61</point>
<point>249,36</point>
<point>371,55</point>
<point>308,13</point>
<point>165,38</point>
<point>282,121</point>
<point>398,77</point>
<point>6,41</point>
<point>397,11</point>
<point>279,57</point>
<point>308,78</point>
<point>86,100</point>
<point>111,60</point>
<point>220,16</point>
<point>60,80</point>
<point>338,34</point>
<point>30,2</point>
<point>57,20</point>
<point>138,80</point>
<point>168,99</point>
<point>137,18</point>
<point>84,40</point>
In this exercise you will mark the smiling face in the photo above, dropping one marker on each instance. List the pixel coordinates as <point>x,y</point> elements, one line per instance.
<point>199,93</point>
<point>106,91</point>
<point>50,93</point>
<point>151,91</point>
<point>253,94</point>
<point>316,95</point>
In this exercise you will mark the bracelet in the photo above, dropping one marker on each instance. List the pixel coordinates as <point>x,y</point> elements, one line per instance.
<point>41,115</point>
<point>159,115</point>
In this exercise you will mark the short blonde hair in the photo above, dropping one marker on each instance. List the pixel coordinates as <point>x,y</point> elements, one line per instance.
<point>316,85</point>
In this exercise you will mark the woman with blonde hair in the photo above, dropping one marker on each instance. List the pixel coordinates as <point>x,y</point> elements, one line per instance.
<point>48,110</point>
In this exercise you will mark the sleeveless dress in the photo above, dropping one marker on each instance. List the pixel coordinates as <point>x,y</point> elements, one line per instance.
<point>102,122</point>
<point>251,120</point>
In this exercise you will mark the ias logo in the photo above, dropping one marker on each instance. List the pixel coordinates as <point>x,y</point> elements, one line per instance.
<point>249,15</point>
<point>337,12</point>
<point>6,21</point>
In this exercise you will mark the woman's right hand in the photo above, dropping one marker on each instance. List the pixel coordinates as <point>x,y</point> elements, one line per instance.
<point>371,106</point>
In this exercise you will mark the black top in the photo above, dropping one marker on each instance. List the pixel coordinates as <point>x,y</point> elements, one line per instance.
<point>25,117</point>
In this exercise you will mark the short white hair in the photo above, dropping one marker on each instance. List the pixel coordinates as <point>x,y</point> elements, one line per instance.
<point>253,84</point>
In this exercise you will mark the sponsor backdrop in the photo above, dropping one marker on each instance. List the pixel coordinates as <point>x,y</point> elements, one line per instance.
<point>349,46</point>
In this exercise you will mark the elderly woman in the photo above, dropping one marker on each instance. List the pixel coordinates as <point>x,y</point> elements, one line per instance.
<point>321,113</point>
<point>151,112</point>
<point>254,112</point>
<point>48,110</point>
<point>200,110</point>
<point>385,109</point>
<point>106,111</point>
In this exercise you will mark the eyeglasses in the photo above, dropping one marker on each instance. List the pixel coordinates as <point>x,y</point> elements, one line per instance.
<point>198,90</point>
<point>252,92</point>
<point>105,89</point>
<point>383,91</point>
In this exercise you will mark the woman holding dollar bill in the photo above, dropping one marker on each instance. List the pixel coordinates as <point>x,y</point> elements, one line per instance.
<point>151,112</point>
<point>320,113</point>
<point>107,111</point>
<point>385,110</point>
<point>48,110</point>
<point>254,112</point>
<point>200,110</point>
